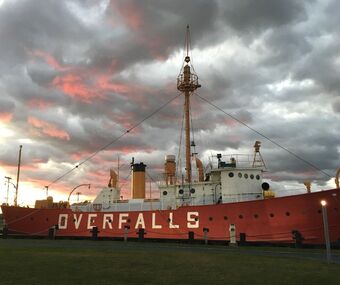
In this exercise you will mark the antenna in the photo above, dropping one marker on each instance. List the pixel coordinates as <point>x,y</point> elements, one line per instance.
<point>187,40</point>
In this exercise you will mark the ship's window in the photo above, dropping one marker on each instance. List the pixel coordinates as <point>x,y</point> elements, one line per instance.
<point>192,190</point>
<point>319,211</point>
<point>287,214</point>
<point>165,193</point>
<point>110,190</point>
<point>240,216</point>
<point>251,176</point>
<point>245,175</point>
<point>181,191</point>
<point>46,219</point>
<point>271,215</point>
<point>256,216</point>
<point>240,174</point>
<point>231,174</point>
<point>225,217</point>
<point>258,177</point>
<point>210,218</point>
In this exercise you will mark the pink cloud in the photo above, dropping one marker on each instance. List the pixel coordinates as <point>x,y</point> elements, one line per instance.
<point>130,13</point>
<point>48,128</point>
<point>73,86</point>
<point>103,83</point>
<point>6,117</point>
<point>49,59</point>
<point>39,104</point>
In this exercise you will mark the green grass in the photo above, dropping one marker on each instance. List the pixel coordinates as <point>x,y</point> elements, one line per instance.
<point>88,262</point>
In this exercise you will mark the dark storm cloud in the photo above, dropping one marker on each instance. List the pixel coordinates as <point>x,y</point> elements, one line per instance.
<point>29,25</point>
<point>251,15</point>
<point>6,106</point>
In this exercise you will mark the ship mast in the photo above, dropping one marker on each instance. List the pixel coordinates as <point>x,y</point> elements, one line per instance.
<point>187,83</point>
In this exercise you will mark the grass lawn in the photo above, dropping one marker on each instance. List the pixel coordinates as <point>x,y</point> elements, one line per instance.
<point>108,262</point>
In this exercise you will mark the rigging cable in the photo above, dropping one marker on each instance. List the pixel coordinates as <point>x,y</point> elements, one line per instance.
<point>114,140</point>
<point>264,136</point>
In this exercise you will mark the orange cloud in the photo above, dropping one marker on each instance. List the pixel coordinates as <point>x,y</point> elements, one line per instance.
<point>48,128</point>
<point>6,117</point>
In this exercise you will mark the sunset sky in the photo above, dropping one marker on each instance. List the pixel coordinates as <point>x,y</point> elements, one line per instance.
<point>75,75</point>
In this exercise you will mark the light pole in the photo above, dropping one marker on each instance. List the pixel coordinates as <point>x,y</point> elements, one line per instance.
<point>8,181</point>
<point>78,193</point>
<point>326,230</point>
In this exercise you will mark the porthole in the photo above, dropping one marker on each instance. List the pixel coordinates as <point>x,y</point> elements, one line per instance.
<point>46,219</point>
<point>245,175</point>
<point>240,216</point>
<point>251,176</point>
<point>225,218</point>
<point>319,211</point>
<point>240,174</point>
<point>258,177</point>
<point>271,215</point>
<point>165,193</point>
<point>181,191</point>
<point>231,174</point>
<point>210,218</point>
<point>256,216</point>
<point>192,190</point>
<point>287,214</point>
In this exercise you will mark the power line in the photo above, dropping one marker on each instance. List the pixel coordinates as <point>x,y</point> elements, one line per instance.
<point>264,136</point>
<point>114,140</point>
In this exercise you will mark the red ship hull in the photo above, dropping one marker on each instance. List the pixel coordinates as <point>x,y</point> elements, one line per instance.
<point>269,220</point>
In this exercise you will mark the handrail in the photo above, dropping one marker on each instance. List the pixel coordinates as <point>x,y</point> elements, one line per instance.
<point>68,199</point>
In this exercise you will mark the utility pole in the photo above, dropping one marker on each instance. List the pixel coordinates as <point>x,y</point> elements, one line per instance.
<point>8,181</point>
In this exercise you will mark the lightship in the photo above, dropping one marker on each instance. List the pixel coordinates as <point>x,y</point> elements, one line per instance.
<point>228,201</point>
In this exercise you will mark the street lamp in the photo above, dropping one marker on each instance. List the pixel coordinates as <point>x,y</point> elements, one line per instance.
<point>78,193</point>
<point>326,230</point>
<point>9,182</point>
